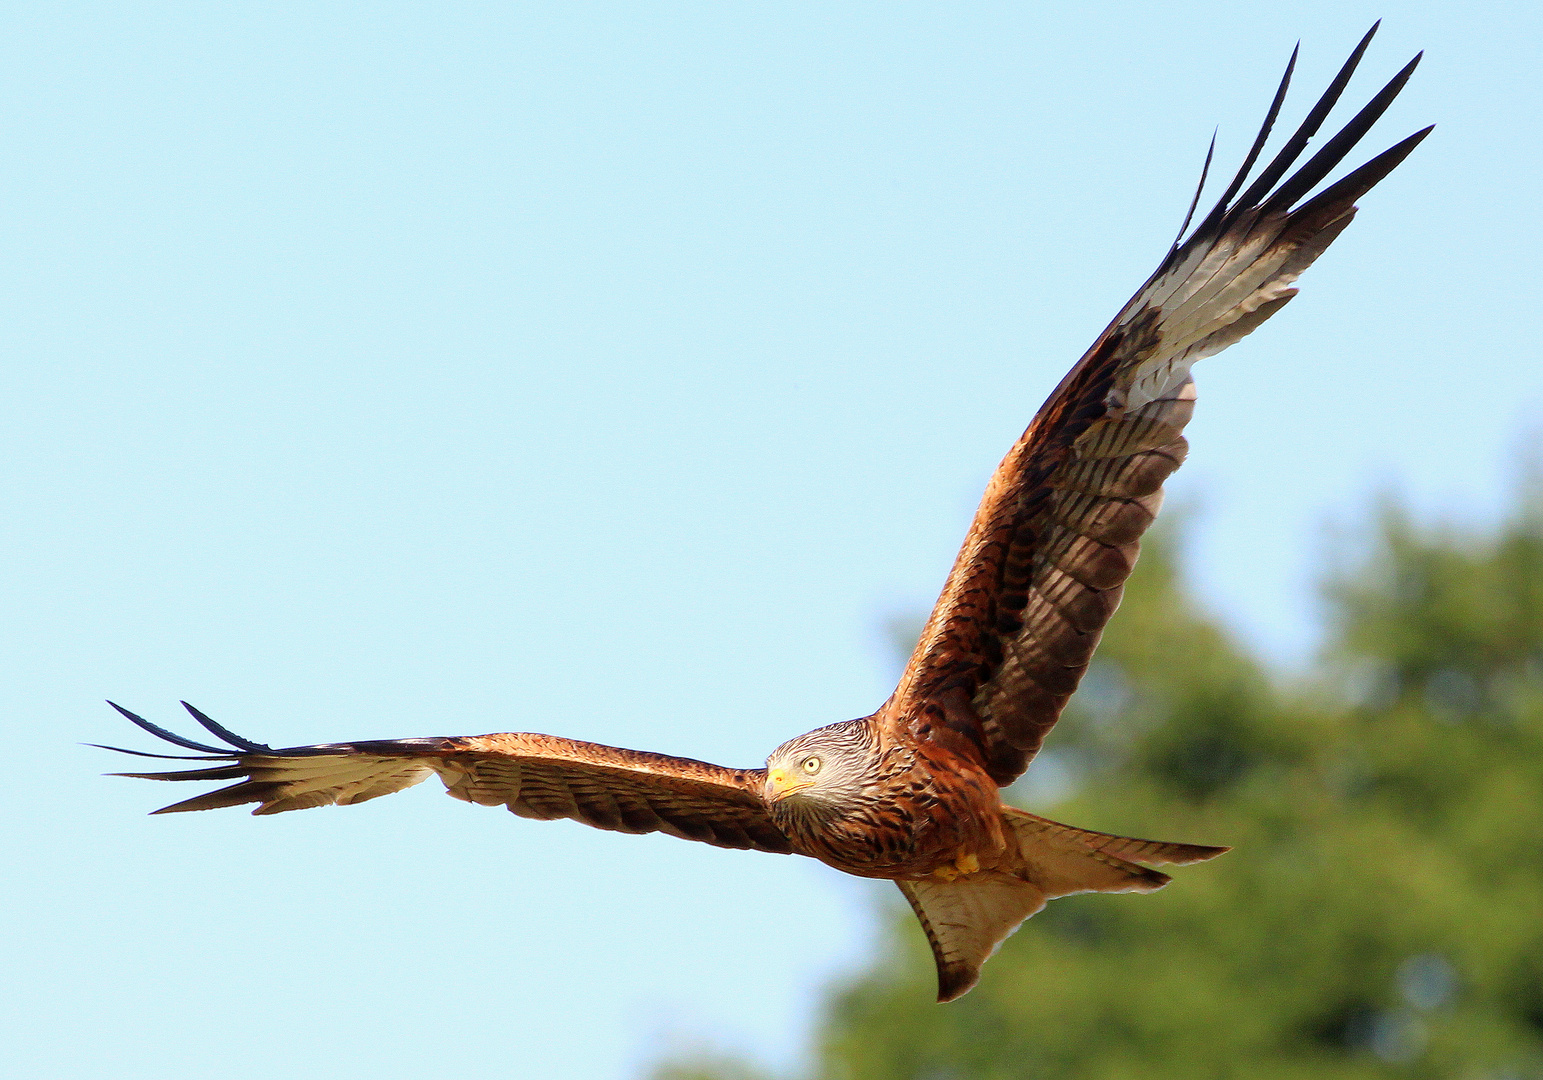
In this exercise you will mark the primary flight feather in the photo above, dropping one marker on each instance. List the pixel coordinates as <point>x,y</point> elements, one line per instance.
<point>911,793</point>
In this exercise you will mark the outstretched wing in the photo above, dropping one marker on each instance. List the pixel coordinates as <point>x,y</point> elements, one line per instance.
<point>536,776</point>
<point>1057,532</point>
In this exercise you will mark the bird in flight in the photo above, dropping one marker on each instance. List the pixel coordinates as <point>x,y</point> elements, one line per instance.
<point>911,793</point>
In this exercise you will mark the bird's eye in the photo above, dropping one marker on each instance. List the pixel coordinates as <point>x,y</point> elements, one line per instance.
<point>810,765</point>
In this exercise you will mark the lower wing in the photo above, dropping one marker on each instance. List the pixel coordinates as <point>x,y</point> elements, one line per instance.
<point>535,776</point>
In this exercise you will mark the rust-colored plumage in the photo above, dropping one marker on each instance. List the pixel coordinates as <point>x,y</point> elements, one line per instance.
<point>911,793</point>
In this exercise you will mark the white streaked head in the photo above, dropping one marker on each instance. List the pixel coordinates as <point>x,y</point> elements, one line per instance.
<point>822,769</point>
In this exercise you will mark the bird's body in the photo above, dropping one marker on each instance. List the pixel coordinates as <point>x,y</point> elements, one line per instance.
<point>921,808</point>
<point>912,792</point>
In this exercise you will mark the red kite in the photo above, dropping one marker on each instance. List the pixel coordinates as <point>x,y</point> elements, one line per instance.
<point>911,793</point>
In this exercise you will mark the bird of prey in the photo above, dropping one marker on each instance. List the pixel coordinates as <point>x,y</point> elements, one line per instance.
<point>911,793</point>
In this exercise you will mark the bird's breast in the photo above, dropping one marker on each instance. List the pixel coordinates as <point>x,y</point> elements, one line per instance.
<point>922,813</point>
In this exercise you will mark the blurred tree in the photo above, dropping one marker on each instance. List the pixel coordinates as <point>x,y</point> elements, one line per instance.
<point>705,1063</point>
<point>1382,914</point>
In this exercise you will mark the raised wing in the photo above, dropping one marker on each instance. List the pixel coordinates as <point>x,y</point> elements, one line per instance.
<point>1056,535</point>
<point>535,776</point>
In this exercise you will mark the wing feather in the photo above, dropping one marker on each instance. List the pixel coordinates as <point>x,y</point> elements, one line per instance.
<point>535,776</point>
<point>1058,530</point>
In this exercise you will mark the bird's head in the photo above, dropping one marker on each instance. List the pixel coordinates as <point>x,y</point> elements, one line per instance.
<point>819,770</point>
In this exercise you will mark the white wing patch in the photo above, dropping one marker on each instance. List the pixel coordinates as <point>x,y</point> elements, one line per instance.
<point>1219,296</point>
<point>325,781</point>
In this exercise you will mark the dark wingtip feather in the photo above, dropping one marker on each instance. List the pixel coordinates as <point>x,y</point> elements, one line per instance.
<point>1241,177</point>
<point>1309,127</point>
<point>1205,171</point>
<point>171,737</point>
<point>229,736</point>
<point>146,753</point>
<point>1335,199</point>
<point>1263,200</point>
<point>1334,151</point>
<point>250,791</point>
<point>220,772</point>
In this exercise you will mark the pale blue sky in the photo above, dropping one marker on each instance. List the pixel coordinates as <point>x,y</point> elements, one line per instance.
<point>618,371</point>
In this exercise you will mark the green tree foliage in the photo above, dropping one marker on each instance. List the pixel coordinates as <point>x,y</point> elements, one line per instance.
<point>1382,912</point>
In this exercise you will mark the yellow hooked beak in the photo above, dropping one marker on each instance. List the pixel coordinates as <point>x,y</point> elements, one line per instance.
<point>779,785</point>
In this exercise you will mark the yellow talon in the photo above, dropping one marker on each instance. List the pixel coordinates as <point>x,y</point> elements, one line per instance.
<point>962,864</point>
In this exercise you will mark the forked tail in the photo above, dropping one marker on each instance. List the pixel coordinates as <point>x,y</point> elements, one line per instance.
<point>966,919</point>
